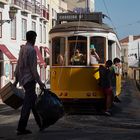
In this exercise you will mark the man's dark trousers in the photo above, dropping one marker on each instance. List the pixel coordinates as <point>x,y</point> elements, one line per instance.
<point>28,105</point>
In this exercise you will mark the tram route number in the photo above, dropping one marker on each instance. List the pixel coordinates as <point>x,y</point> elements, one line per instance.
<point>93,93</point>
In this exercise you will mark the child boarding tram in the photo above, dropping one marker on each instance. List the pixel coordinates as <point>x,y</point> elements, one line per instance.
<point>79,44</point>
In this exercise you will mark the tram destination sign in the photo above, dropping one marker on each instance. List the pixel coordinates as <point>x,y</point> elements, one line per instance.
<point>94,17</point>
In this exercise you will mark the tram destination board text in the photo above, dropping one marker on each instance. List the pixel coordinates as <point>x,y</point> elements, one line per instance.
<point>94,17</point>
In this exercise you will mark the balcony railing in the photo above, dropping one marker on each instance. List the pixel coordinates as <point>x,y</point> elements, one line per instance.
<point>36,8</point>
<point>44,13</point>
<point>17,3</point>
<point>27,5</point>
<point>4,1</point>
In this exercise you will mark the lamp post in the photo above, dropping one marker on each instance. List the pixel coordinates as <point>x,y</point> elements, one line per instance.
<point>12,13</point>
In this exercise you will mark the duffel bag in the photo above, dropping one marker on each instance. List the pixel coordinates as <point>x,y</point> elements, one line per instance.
<point>49,107</point>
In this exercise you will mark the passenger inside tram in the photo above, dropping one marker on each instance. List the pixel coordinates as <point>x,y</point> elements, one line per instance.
<point>94,57</point>
<point>60,59</point>
<point>77,58</point>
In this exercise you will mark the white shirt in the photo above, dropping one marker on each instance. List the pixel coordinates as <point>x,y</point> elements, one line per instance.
<point>93,59</point>
<point>26,69</point>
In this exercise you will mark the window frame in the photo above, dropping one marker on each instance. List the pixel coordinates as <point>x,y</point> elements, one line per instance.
<point>57,51</point>
<point>24,28</point>
<point>40,33</point>
<point>44,33</point>
<point>13,29</point>
<point>34,26</point>
<point>104,48</point>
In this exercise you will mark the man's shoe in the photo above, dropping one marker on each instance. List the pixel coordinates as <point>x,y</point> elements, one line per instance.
<point>107,113</point>
<point>23,132</point>
<point>42,128</point>
<point>117,100</point>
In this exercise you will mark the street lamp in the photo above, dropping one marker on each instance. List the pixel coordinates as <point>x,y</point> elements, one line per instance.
<point>12,13</point>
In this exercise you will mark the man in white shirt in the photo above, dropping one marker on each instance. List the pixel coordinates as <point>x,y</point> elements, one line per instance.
<point>27,76</point>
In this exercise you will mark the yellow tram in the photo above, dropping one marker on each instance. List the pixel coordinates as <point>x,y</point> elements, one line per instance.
<point>74,82</point>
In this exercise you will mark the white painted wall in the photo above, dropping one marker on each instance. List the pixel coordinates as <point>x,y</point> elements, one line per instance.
<point>14,45</point>
<point>133,49</point>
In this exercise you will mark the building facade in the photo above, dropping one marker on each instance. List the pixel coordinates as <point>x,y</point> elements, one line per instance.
<point>80,6</point>
<point>37,15</point>
<point>130,52</point>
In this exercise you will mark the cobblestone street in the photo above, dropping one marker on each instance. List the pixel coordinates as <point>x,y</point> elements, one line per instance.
<point>123,125</point>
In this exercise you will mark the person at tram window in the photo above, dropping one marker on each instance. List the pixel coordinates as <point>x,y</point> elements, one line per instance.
<point>60,59</point>
<point>94,57</point>
<point>77,58</point>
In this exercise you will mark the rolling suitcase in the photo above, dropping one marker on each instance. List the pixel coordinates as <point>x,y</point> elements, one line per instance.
<point>12,96</point>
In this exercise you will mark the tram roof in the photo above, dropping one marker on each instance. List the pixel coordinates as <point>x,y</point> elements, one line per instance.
<point>81,26</point>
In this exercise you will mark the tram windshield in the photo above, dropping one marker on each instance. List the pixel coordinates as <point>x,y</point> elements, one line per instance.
<point>74,50</point>
<point>77,50</point>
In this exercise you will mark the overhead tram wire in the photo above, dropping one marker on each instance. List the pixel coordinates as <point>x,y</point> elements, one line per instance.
<point>121,26</point>
<point>76,38</point>
<point>129,24</point>
<point>77,30</point>
<point>65,55</point>
<point>109,17</point>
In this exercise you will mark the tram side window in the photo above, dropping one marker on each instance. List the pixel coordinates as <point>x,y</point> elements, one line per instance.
<point>58,51</point>
<point>99,44</point>
<point>117,51</point>
<point>77,50</point>
<point>110,50</point>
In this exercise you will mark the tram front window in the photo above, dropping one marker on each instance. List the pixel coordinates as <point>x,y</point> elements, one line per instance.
<point>58,51</point>
<point>77,46</point>
<point>98,44</point>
